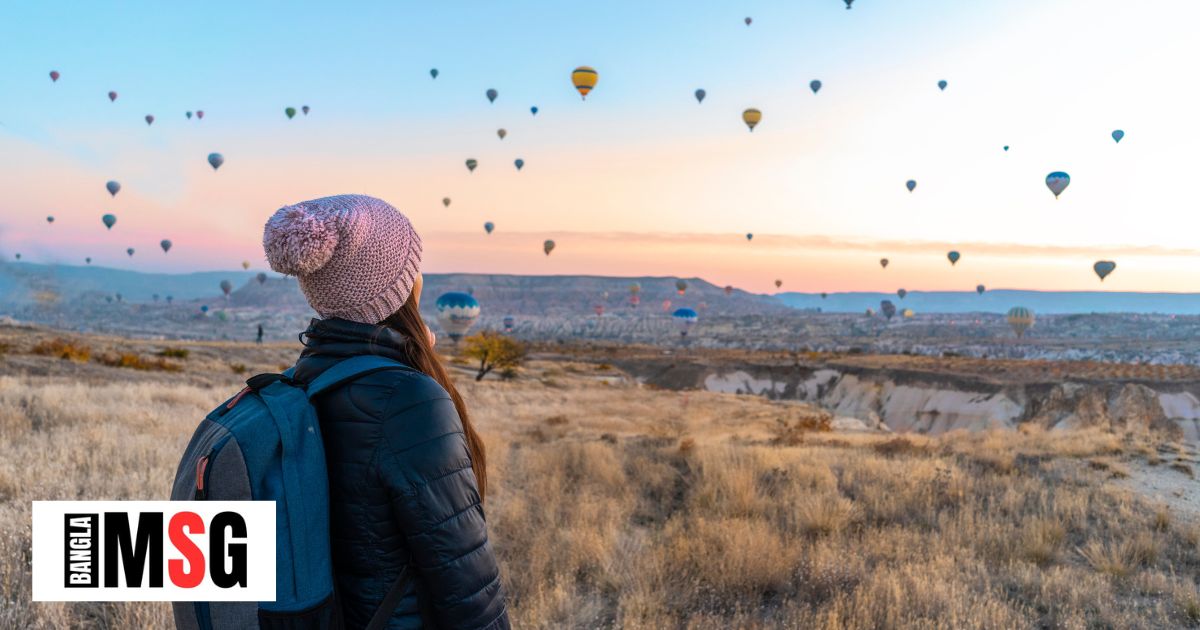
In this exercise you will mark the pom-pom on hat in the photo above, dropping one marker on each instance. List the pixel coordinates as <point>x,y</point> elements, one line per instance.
<point>356,257</point>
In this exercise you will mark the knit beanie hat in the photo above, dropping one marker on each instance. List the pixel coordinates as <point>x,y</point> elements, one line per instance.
<point>356,257</point>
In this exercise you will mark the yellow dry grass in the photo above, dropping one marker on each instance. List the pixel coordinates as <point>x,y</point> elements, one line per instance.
<point>614,505</point>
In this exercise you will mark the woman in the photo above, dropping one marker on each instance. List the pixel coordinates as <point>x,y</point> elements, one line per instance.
<point>406,468</point>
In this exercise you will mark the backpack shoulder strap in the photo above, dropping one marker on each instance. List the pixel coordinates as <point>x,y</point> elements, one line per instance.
<point>349,370</point>
<point>388,606</point>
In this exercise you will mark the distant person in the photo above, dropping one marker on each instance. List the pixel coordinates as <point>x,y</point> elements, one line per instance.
<point>258,339</point>
<point>406,467</point>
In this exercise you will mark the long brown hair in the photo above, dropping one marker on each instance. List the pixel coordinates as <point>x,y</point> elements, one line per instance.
<point>421,355</point>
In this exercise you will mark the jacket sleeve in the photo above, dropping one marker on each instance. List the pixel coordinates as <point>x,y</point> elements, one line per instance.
<point>435,499</point>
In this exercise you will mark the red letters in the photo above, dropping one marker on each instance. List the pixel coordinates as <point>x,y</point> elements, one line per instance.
<point>194,556</point>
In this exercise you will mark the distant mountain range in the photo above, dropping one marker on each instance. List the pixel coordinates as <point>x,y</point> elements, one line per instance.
<point>25,283</point>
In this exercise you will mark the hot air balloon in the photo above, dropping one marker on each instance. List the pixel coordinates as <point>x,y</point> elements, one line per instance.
<point>751,117</point>
<point>1020,319</point>
<point>170,299</point>
<point>18,255</point>
<point>204,308</point>
<point>584,78</point>
<point>129,251</point>
<point>509,322</point>
<point>870,312</point>
<point>501,133</point>
<point>1006,148</point>
<point>815,86</point>
<point>290,112</point>
<point>109,220</point>
<point>226,287</point>
<point>778,283</point>
<point>1057,182</point>
<point>519,163</point>
<point>189,115</point>
<point>666,306</point>
<point>979,288</point>
<point>749,236</point>
<point>165,244</point>
<point>261,277</point>
<point>748,21</point>
<point>88,260</point>
<point>700,94</point>
<point>1117,135</point>
<point>200,114</point>
<point>681,286</point>
<point>901,293</point>
<point>54,76</point>
<point>634,300</point>
<point>489,226</point>
<point>635,288</point>
<point>50,219</point>
<point>907,313</point>
<point>112,96</point>
<point>942,84</point>
<point>883,262</point>
<point>953,257</point>
<point>1103,268</point>
<point>149,119</point>
<point>433,72</point>
<point>305,109</point>
<point>888,309</point>
<point>245,264</point>
<point>533,110</point>
<point>471,164</point>
<point>492,94</point>
<point>215,160</point>
<point>729,289</point>
<point>457,312</point>
<point>910,184</point>
<point>848,3</point>
<point>685,318</point>
<point>824,295</point>
<point>113,187</point>
<point>548,246</point>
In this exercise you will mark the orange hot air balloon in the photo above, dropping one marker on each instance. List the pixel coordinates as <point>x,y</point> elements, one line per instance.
<point>584,78</point>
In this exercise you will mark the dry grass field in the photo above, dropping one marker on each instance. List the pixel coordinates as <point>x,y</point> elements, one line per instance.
<point>615,505</point>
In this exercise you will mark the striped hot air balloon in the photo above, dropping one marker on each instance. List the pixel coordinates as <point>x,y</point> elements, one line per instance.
<point>457,312</point>
<point>1020,319</point>
<point>584,78</point>
<point>751,117</point>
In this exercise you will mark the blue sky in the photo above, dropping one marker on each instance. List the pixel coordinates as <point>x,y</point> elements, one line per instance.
<point>640,156</point>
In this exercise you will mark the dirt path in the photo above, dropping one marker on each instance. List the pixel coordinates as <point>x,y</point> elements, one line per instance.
<point>1171,480</point>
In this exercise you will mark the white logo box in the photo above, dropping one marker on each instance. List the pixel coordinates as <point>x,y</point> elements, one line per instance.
<point>55,544</point>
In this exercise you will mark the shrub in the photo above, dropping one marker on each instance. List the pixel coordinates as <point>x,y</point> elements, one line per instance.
<point>174,353</point>
<point>134,361</point>
<point>63,349</point>
<point>238,368</point>
<point>790,432</point>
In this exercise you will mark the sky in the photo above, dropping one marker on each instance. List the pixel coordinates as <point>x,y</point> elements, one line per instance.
<point>639,178</point>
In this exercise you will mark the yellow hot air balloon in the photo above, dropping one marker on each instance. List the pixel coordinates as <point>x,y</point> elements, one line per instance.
<point>584,78</point>
<point>751,117</point>
<point>245,264</point>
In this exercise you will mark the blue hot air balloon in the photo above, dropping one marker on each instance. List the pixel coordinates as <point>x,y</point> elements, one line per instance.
<point>953,256</point>
<point>749,236</point>
<point>509,322</point>
<point>815,85</point>
<point>848,4</point>
<point>1006,148</point>
<point>1103,268</point>
<point>113,187</point>
<point>519,163</point>
<point>910,184</point>
<point>457,312</point>
<point>942,84</point>
<point>109,220</point>
<point>216,160</point>
<point>492,94</point>
<point>1057,182</point>
<point>700,94</point>
<point>204,309</point>
<point>129,251</point>
<point>685,318</point>
<point>888,309</point>
<point>1117,135</point>
<point>433,72</point>
<point>533,110</point>
<point>489,226</point>
<point>165,244</point>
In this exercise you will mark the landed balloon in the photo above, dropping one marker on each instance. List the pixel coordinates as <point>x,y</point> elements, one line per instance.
<point>901,293</point>
<point>54,76</point>
<point>165,244</point>
<point>751,117</point>
<point>548,246</point>
<point>471,164</point>
<point>489,226</point>
<point>519,163</point>
<point>501,133</point>
<point>942,85</point>
<point>815,86</point>
<point>979,288</point>
<point>112,96</point>
<point>290,112</point>
<point>888,309</point>
<point>1057,182</point>
<point>433,72</point>
<point>883,262</point>
<point>953,257</point>
<point>584,78</point>
<point>226,287</point>
<point>700,94</point>
<point>457,312</point>
<point>1117,135</point>
<point>215,160</point>
<point>446,201</point>
<point>149,119</point>
<point>1103,268</point>
<point>129,251</point>
<point>261,277</point>
<point>109,220</point>
<point>681,286</point>
<point>305,110</point>
<point>1020,319</point>
<point>910,185</point>
<point>685,318</point>
<point>113,187</point>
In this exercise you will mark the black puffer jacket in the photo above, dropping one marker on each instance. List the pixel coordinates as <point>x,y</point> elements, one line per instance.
<point>402,491</point>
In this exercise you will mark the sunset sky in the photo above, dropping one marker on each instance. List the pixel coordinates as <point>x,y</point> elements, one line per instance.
<point>638,179</point>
